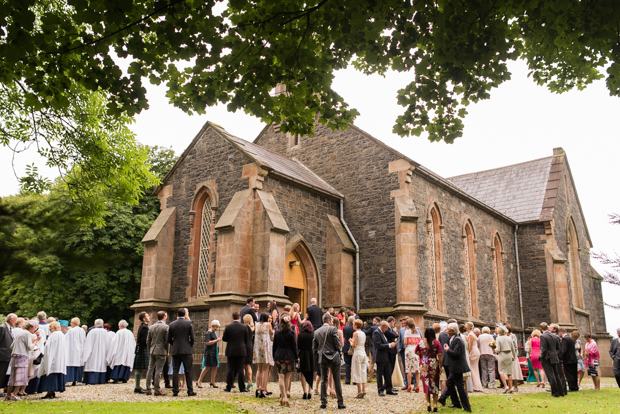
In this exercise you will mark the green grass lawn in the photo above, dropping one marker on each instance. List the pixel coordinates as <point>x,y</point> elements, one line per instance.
<point>607,400</point>
<point>58,407</point>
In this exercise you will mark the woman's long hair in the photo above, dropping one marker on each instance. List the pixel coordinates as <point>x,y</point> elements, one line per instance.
<point>429,335</point>
<point>284,325</point>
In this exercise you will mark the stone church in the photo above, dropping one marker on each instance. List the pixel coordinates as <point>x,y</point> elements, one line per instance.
<point>342,217</point>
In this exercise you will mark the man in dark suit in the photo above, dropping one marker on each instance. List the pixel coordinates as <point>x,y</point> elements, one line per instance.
<point>326,347</point>
<point>237,335</point>
<point>6,340</point>
<point>444,339</point>
<point>455,349</point>
<point>381,347</point>
<point>314,314</point>
<point>347,332</point>
<point>569,360</point>
<point>392,336</point>
<point>248,309</point>
<point>369,333</point>
<point>550,354</point>
<point>181,338</point>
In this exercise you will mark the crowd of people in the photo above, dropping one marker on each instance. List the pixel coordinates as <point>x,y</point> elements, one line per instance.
<point>445,360</point>
<point>44,354</point>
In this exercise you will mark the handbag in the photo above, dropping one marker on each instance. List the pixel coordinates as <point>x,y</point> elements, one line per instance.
<point>37,360</point>
<point>351,350</point>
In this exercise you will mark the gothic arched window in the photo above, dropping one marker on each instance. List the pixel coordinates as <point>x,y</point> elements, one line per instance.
<point>471,288</point>
<point>574,267</point>
<point>436,280</point>
<point>498,273</point>
<point>202,245</point>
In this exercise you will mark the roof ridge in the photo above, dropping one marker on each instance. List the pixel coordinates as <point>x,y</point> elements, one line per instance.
<point>500,168</point>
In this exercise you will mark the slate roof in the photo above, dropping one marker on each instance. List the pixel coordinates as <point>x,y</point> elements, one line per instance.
<point>518,191</point>
<point>284,167</point>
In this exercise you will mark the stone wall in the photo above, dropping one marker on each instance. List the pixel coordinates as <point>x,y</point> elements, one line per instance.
<point>536,306</point>
<point>567,206</point>
<point>454,211</point>
<point>214,159</point>
<point>357,166</point>
<point>305,213</point>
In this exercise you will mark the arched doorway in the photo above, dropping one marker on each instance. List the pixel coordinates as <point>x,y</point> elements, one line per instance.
<point>301,277</point>
<point>295,286</point>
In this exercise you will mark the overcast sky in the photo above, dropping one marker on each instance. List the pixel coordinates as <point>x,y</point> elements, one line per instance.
<point>521,122</point>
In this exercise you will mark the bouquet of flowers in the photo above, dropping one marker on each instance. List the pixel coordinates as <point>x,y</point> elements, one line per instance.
<point>493,344</point>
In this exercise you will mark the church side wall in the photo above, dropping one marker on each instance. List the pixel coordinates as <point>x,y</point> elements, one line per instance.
<point>592,293</point>
<point>454,211</point>
<point>536,306</point>
<point>305,214</point>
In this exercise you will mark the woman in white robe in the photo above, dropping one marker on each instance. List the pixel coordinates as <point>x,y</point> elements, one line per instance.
<point>53,364</point>
<point>75,338</point>
<point>122,353</point>
<point>94,354</point>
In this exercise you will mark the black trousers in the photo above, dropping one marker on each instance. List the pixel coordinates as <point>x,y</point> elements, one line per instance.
<point>446,392</point>
<point>335,369</point>
<point>235,367</point>
<point>4,366</point>
<point>187,361</point>
<point>456,388</point>
<point>570,371</point>
<point>384,376</point>
<point>347,368</point>
<point>555,377</point>
<point>392,363</point>
<point>166,368</point>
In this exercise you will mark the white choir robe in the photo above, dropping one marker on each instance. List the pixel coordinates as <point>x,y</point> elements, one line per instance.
<point>93,356</point>
<point>121,355</point>
<point>54,363</point>
<point>74,339</point>
<point>34,371</point>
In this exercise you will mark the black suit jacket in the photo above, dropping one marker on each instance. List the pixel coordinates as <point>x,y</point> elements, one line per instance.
<point>391,336</point>
<point>347,332</point>
<point>550,348</point>
<point>444,338</point>
<point>181,337</point>
<point>6,339</point>
<point>457,355</point>
<point>569,356</point>
<point>381,346</point>
<point>248,310</point>
<point>237,335</point>
<point>315,316</point>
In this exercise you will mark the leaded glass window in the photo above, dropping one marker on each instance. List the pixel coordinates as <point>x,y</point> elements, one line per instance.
<point>205,246</point>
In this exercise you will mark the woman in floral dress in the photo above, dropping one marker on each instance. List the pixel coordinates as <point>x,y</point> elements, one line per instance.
<point>263,358</point>
<point>429,351</point>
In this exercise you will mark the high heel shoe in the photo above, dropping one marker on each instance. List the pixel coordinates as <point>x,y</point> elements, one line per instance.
<point>198,385</point>
<point>249,386</point>
<point>409,388</point>
<point>428,408</point>
<point>212,385</point>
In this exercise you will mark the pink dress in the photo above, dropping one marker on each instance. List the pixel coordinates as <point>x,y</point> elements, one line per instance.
<point>474,357</point>
<point>535,354</point>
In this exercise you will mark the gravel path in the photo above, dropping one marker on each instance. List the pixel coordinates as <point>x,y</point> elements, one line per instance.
<point>403,403</point>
